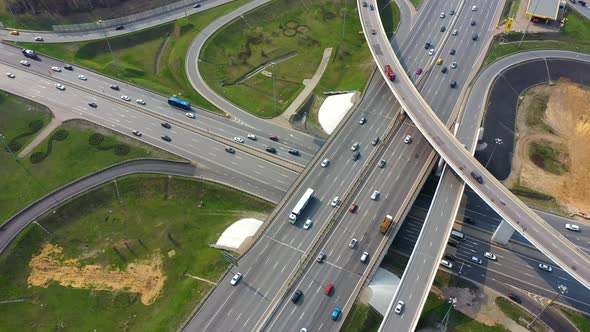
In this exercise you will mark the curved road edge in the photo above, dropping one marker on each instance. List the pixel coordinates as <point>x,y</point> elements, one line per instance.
<point>15,224</point>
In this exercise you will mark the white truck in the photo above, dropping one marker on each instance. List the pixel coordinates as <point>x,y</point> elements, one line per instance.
<point>300,206</point>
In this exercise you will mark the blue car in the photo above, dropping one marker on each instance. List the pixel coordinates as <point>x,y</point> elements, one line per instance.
<point>336,313</point>
<point>428,44</point>
<point>452,11</point>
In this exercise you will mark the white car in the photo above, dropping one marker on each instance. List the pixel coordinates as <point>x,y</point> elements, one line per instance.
<point>307,224</point>
<point>25,63</point>
<point>455,32</point>
<point>355,146</point>
<point>234,281</point>
<point>431,52</point>
<point>11,75</point>
<point>325,162</point>
<point>126,98</point>
<point>476,259</point>
<point>446,264</point>
<point>442,15</point>
<point>56,68</point>
<point>375,195</point>
<point>399,307</point>
<point>352,243</point>
<point>136,133</point>
<point>364,257</point>
<point>545,267</point>
<point>140,101</point>
<point>238,139</point>
<point>190,115</point>
<point>82,77</point>
<point>572,227</point>
<point>474,8</point>
<point>489,255</point>
<point>335,201</point>
<point>454,65</point>
<point>38,38</point>
<point>408,139</point>
<point>252,137</point>
<point>60,87</point>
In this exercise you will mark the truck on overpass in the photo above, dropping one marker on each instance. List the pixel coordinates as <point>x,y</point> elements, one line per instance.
<point>300,206</point>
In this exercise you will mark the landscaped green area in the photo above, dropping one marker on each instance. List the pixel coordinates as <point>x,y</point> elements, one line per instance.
<point>416,3</point>
<point>582,322</point>
<point>390,16</point>
<point>145,218</point>
<point>362,318</point>
<point>515,313</point>
<point>510,9</point>
<point>136,54</point>
<point>574,37</point>
<point>548,157</point>
<point>435,309</point>
<point>535,113</point>
<point>23,182</point>
<point>236,60</point>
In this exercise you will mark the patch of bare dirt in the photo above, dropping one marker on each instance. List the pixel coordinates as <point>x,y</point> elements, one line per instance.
<point>568,115</point>
<point>143,277</point>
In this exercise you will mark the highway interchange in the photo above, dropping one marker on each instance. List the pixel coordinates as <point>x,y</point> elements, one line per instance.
<point>282,244</point>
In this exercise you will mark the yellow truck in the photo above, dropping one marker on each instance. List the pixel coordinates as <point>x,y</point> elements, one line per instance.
<point>386,224</point>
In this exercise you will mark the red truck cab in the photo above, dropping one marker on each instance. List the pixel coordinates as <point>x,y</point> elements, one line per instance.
<point>389,72</point>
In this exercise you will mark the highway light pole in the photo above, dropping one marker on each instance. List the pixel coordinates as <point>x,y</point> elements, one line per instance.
<point>527,24</point>
<point>274,88</point>
<point>562,290</point>
<point>101,25</point>
<point>445,320</point>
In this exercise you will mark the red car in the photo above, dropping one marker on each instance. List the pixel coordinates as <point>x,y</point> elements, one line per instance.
<point>274,137</point>
<point>353,208</point>
<point>329,288</point>
<point>419,71</point>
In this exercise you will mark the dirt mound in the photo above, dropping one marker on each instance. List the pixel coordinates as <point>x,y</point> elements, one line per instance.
<point>568,116</point>
<point>143,277</point>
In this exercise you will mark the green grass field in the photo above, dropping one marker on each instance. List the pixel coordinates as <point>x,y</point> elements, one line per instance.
<point>515,313</point>
<point>575,37</point>
<point>390,16</point>
<point>535,113</point>
<point>155,215</point>
<point>581,321</point>
<point>278,30</point>
<point>24,182</point>
<point>362,318</point>
<point>547,156</point>
<point>136,54</point>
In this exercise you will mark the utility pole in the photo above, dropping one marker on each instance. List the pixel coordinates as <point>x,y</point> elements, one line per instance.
<point>562,290</point>
<point>274,88</point>
<point>527,23</point>
<point>445,321</point>
<point>101,25</point>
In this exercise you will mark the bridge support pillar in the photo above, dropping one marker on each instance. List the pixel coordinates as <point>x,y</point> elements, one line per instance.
<point>503,233</point>
<point>439,167</point>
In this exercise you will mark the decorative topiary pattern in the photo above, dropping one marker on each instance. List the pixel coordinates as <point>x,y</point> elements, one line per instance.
<point>59,135</point>
<point>119,149</point>
<point>34,126</point>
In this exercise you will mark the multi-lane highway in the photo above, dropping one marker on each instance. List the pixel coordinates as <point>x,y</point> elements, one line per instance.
<point>474,174</point>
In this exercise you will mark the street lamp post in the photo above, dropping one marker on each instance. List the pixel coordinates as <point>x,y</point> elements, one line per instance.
<point>106,37</point>
<point>445,321</point>
<point>527,23</point>
<point>274,88</point>
<point>562,291</point>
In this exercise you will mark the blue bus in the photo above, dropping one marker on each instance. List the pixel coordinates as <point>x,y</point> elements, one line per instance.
<point>173,101</point>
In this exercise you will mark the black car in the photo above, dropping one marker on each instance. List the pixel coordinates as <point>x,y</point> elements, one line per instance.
<point>452,244</point>
<point>468,220</point>
<point>68,67</point>
<point>373,32</point>
<point>453,84</point>
<point>166,138</point>
<point>474,37</point>
<point>442,29</point>
<point>92,104</point>
<point>514,298</point>
<point>364,4</point>
<point>295,297</point>
<point>294,152</point>
<point>115,87</point>
<point>166,125</point>
<point>472,23</point>
<point>371,6</point>
<point>477,177</point>
<point>452,52</point>
<point>444,70</point>
<point>271,149</point>
<point>229,149</point>
<point>450,258</point>
<point>197,5</point>
<point>119,28</point>
<point>356,155</point>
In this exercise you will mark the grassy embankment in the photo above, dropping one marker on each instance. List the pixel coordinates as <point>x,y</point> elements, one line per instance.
<point>517,314</point>
<point>575,37</point>
<point>293,35</point>
<point>136,54</point>
<point>174,219</point>
<point>24,182</point>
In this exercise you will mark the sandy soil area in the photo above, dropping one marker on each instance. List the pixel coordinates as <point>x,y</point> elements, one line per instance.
<point>568,115</point>
<point>143,277</point>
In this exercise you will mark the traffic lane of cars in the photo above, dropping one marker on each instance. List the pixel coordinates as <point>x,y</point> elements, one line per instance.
<point>156,103</point>
<point>360,225</point>
<point>125,120</point>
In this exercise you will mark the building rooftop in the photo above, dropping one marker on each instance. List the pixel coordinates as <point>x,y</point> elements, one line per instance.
<point>543,8</point>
